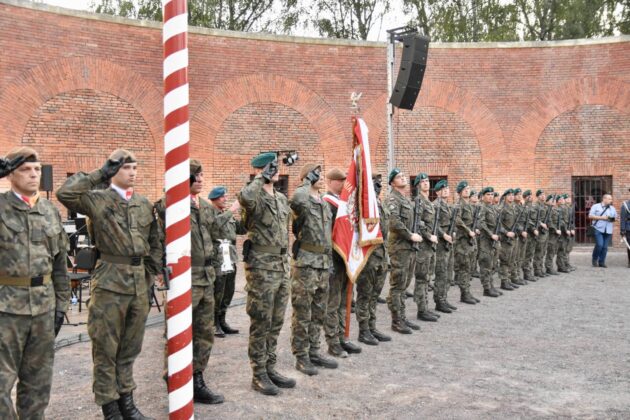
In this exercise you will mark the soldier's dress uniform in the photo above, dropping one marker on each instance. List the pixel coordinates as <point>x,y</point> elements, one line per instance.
<point>309,274</point>
<point>266,271</point>
<point>33,285</point>
<point>126,236</point>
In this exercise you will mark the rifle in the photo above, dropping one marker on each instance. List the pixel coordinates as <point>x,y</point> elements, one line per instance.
<point>435,225</point>
<point>451,226</point>
<point>474,225</point>
<point>537,218</point>
<point>518,216</point>
<point>547,217</point>
<point>559,219</point>
<point>417,219</point>
<point>497,228</point>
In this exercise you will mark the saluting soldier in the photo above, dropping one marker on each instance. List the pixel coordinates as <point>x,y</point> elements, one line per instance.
<point>426,252</point>
<point>312,258</point>
<point>266,271</point>
<point>400,246</point>
<point>202,279</point>
<point>543,235</point>
<point>34,287</point>
<point>226,227</point>
<point>489,244</point>
<point>443,249</point>
<point>464,245</point>
<point>554,235</point>
<point>130,254</point>
<point>372,279</point>
<point>508,239</point>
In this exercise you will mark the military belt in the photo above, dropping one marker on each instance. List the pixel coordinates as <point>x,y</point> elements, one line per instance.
<point>25,281</point>
<point>119,259</point>
<point>269,249</point>
<point>317,249</point>
<point>201,263</point>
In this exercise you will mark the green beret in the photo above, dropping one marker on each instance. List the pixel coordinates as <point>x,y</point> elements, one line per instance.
<point>460,187</point>
<point>487,190</point>
<point>393,174</point>
<point>549,197</point>
<point>527,193</point>
<point>560,196</point>
<point>508,192</point>
<point>217,192</point>
<point>539,192</point>
<point>517,191</point>
<point>496,194</point>
<point>472,192</point>
<point>419,178</point>
<point>440,185</point>
<point>566,196</point>
<point>263,159</point>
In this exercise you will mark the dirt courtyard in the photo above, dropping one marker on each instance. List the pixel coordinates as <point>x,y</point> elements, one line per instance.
<point>557,348</point>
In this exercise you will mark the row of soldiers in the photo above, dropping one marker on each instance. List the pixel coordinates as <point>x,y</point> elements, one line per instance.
<point>422,240</point>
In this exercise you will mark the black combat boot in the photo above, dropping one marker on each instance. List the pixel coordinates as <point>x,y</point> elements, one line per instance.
<point>426,316</point>
<point>554,272</point>
<point>411,325</point>
<point>129,410</point>
<point>111,411</point>
<point>451,307</point>
<point>514,285</point>
<point>304,365</point>
<point>365,336</point>
<point>218,332</point>
<point>322,361</point>
<point>201,393</point>
<point>506,285</point>
<point>408,294</point>
<point>279,380</point>
<point>380,300</point>
<point>261,383</point>
<point>466,297</point>
<point>380,336</point>
<point>349,346</point>
<point>490,292</point>
<point>399,326</point>
<point>443,307</point>
<point>564,270</point>
<point>497,291</point>
<point>336,350</point>
<point>435,314</point>
<point>225,326</point>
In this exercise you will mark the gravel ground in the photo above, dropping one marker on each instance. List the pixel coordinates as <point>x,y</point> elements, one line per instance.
<point>558,348</point>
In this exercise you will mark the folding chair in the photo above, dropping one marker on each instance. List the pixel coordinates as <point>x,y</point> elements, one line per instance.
<point>83,261</point>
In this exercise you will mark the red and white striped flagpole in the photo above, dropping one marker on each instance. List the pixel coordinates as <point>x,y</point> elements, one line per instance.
<point>177,186</point>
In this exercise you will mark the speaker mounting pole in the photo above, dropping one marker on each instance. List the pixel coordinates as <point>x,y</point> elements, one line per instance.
<point>395,35</point>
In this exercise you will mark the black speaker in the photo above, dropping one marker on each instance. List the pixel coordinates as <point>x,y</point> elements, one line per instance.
<point>46,181</point>
<point>412,66</point>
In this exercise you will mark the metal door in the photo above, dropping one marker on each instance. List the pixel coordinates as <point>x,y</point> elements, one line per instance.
<point>587,191</point>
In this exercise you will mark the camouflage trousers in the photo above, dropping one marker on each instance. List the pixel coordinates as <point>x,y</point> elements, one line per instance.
<point>487,261</point>
<point>26,355</point>
<point>334,323</point>
<point>369,286</point>
<point>522,250</point>
<point>528,261</point>
<point>506,258</point>
<point>309,297</point>
<point>116,328</point>
<point>463,264</point>
<point>223,292</point>
<point>552,251</point>
<point>423,276</point>
<point>539,255</point>
<point>267,298</point>
<point>402,261</point>
<point>570,248</point>
<point>442,281</point>
<point>562,259</point>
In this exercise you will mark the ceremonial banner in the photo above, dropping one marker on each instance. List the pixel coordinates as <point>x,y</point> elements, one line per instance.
<point>357,230</point>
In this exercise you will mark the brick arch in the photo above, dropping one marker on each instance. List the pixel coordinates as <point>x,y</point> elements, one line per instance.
<point>27,92</point>
<point>469,107</point>
<point>239,92</point>
<point>611,92</point>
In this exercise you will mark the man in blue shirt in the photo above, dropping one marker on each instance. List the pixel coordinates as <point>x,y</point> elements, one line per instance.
<point>625,225</point>
<point>602,215</point>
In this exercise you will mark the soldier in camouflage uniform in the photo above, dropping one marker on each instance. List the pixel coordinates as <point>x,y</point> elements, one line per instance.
<point>571,210</point>
<point>489,244</point>
<point>563,240</point>
<point>34,287</point>
<point>372,279</point>
<point>426,253</point>
<point>202,221</point>
<point>312,257</point>
<point>126,236</point>
<point>522,211</point>
<point>444,249</point>
<point>402,254</point>
<point>266,271</point>
<point>474,201</point>
<point>226,228</point>
<point>543,236</point>
<point>532,236</point>
<point>464,245</point>
<point>554,235</point>
<point>508,240</point>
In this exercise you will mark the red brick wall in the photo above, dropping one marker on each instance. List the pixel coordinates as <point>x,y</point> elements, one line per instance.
<point>79,85</point>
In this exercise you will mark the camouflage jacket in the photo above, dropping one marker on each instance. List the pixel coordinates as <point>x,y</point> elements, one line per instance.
<point>488,222</point>
<point>225,227</point>
<point>312,226</point>
<point>508,220</point>
<point>464,224</point>
<point>553,219</point>
<point>565,211</point>
<point>202,254</point>
<point>32,243</point>
<point>535,214</point>
<point>121,228</point>
<point>445,218</point>
<point>267,222</point>
<point>400,223</point>
<point>380,251</point>
<point>522,212</point>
